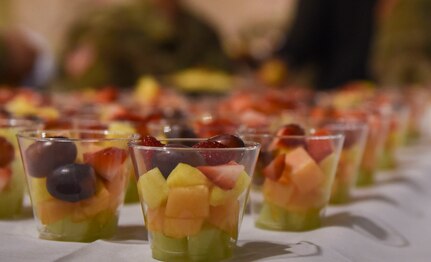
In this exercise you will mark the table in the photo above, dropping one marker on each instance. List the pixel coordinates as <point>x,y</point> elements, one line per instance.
<point>390,221</point>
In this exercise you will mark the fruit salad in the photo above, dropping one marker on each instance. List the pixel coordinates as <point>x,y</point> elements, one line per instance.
<point>293,179</point>
<point>12,178</point>
<point>193,193</point>
<point>76,184</point>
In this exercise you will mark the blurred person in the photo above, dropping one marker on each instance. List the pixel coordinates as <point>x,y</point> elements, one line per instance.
<point>333,38</point>
<point>118,44</point>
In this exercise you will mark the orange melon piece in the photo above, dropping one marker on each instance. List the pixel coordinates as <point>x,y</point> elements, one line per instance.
<point>50,211</point>
<point>154,219</point>
<point>303,202</point>
<point>181,227</point>
<point>89,208</point>
<point>225,217</point>
<point>188,202</point>
<point>277,193</point>
<point>305,173</point>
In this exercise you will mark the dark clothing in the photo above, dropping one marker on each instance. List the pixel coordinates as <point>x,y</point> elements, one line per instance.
<point>333,35</point>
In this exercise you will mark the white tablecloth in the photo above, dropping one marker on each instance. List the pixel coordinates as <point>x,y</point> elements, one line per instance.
<point>387,222</point>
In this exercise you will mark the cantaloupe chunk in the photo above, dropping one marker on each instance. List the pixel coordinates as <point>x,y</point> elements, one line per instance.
<point>225,217</point>
<point>277,193</point>
<point>154,219</point>
<point>53,210</point>
<point>152,188</point>
<point>89,208</point>
<point>188,202</point>
<point>306,173</point>
<point>184,175</point>
<point>181,227</point>
<point>219,196</point>
<point>38,191</point>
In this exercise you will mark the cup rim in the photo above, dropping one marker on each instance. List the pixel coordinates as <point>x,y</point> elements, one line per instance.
<point>306,137</point>
<point>19,122</point>
<point>29,134</point>
<point>249,145</point>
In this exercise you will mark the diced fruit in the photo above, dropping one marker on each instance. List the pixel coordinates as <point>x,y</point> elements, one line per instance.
<point>276,168</point>
<point>72,182</point>
<point>300,202</point>
<point>188,202</point>
<point>182,227</point>
<point>184,175</point>
<point>120,126</point>
<point>154,219</point>
<point>11,197</point>
<point>5,177</point>
<point>150,141</point>
<point>214,157</point>
<point>306,174</point>
<point>329,165</point>
<point>230,141</point>
<point>271,217</point>
<point>7,152</point>
<point>38,190</point>
<point>152,188</point>
<point>224,176</point>
<point>106,162</point>
<point>91,207</point>
<point>168,158</point>
<point>43,157</point>
<point>210,244</point>
<point>226,217</point>
<point>219,196</point>
<point>166,248</point>
<point>277,193</point>
<point>319,148</point>
<point>52,210</point>
<point>289,130</point>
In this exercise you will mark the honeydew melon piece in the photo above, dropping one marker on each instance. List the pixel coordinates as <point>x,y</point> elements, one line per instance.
<point>166,248</point>
<point>305,173</point>
<point>12,196</point>
<point>184,175</point>
<point>277,193</point>
<point>181,227</point>
<point>188,202</point>
<point>226,217</point>
<point>219,196</point>
<point>302,221</point>
<point>152,188</point>
<point>271,217</point>
<point>210,244</point>
<point>154,219</point>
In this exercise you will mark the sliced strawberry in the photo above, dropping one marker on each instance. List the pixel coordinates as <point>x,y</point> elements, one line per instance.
<point>147,155</point>
<point>319,148</point>
<point>106,162</point>
<point>275,169</point>
<point>5,176</point>
<point>224,176</point>
<point>7,152</point>
<point>282,141</point>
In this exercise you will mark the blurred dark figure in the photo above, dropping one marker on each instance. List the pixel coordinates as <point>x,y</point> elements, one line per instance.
<point>116,45</point>
<point>334,37</point>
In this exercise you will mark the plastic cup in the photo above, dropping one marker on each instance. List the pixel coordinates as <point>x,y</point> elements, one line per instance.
<point>355,135</point>
<point>12,181</point>
<point>293,179</point>
<point>193,199</point>
<point>76,181</point>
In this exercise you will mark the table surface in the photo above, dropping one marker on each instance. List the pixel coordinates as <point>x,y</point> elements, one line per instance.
<point>390,221</point>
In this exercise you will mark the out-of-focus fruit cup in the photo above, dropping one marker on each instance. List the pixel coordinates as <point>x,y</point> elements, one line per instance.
<point>397,131</point>
<point>378,126</point>
<point>12,178</point>
<point>355,135</point>
<point>193,194</point>
<point>293,179</point>
<point>76,181</point>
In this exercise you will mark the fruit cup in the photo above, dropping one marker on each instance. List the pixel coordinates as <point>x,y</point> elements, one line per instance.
<point>193,193</point>
<point>293,179</point>
<point>76,181</point>
<point>355,135</point>
<point>12,176</point>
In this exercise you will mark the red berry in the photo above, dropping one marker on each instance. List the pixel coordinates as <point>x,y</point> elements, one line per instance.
<point>150,141</point>
<point>147,155</point>
<point>7,152</point>
<point>213,157</point>
<point>289,130</point>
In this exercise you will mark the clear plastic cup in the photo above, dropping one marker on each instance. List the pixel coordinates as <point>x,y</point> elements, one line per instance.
<point>193,199</point>
<point>76,181</point>
<point>293,179</point>
<point>12,178</point>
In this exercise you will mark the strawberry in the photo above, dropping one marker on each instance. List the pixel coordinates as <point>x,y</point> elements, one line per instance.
<point>223,176</point>
<point>106,162</point>
<point>275,169</point>
<point>319,148</point>
<point>7,152</point>
<point>281,141</point>
<point>147,155</point>
<point>5,176</point>
<point>214,157</point>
